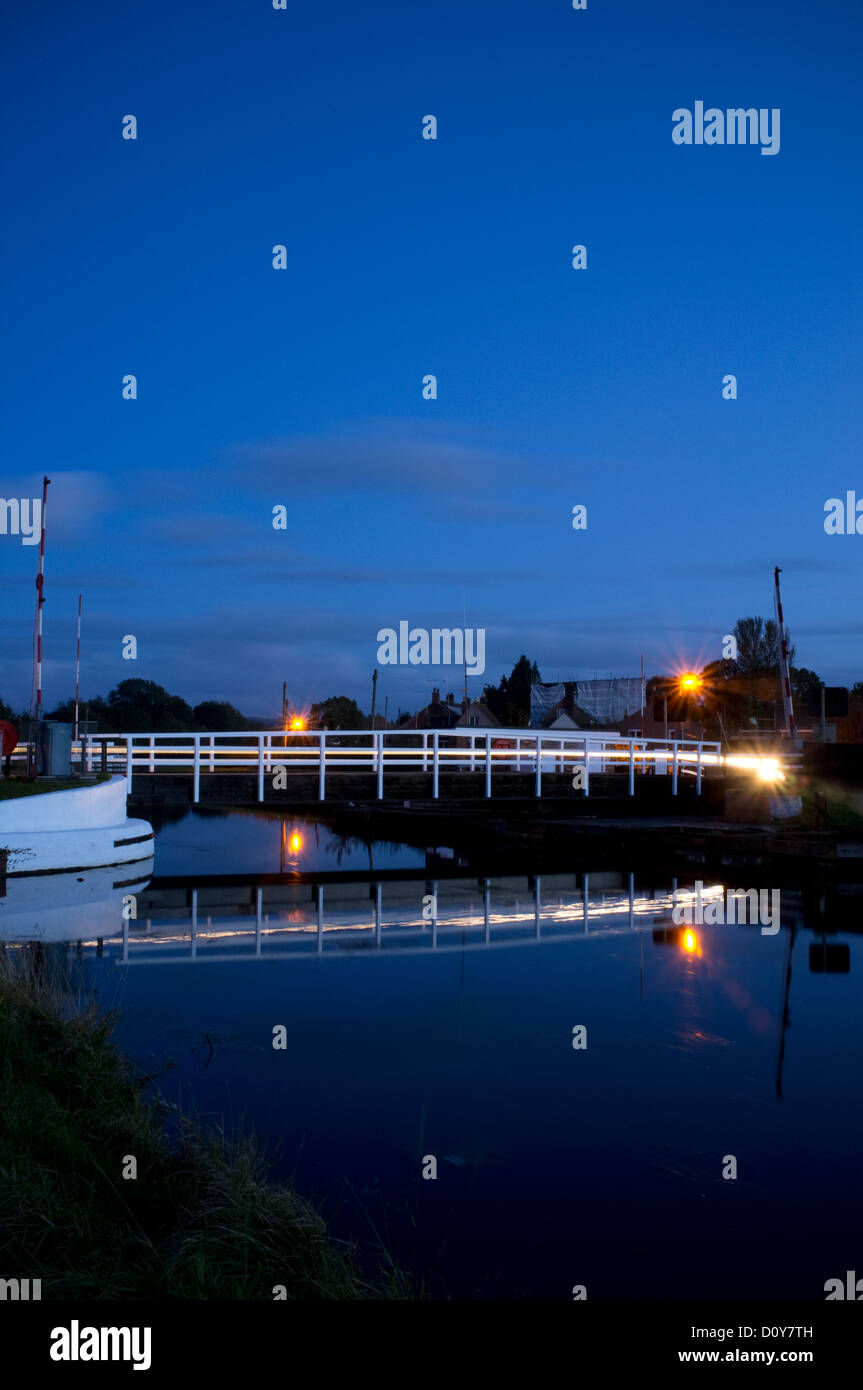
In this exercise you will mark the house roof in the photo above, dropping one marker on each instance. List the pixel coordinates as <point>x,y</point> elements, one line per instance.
<point>441,714</point>
<point>481,713</point>
<point>560,721</point>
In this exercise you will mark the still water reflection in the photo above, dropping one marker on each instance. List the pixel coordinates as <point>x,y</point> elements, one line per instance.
<point>200,840</point>
<point>432,1015</point>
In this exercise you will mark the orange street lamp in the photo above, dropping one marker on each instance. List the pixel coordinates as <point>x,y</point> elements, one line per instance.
<point>297,722</point>
<point>689,682</point>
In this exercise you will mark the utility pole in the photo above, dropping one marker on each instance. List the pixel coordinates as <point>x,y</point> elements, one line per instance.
<point>374,697</point>
<point>464,653</point>
<point>77,666</point>
<point>784,673</point>
<point>40,599</point>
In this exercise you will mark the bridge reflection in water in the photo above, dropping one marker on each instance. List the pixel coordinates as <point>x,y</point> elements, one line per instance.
<point>401,916</point>
<point>133,922</point>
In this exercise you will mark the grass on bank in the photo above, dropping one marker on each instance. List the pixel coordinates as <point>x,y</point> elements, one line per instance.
<point>12,787</point>
<point>200,1221</point>
<point>831,806</point>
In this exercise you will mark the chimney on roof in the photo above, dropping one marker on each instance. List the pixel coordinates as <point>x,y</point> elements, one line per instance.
<point>435,696</point>
<point>449,697</point>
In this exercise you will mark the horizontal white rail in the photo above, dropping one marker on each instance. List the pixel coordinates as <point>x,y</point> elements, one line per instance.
<point>275,753</point>
<point>480,922</point>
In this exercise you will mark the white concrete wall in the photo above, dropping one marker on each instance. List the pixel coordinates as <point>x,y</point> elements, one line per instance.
<point>79,829</point>
<point>83,808</point>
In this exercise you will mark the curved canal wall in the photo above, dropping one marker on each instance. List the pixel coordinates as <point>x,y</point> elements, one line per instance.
<point>60,831</point>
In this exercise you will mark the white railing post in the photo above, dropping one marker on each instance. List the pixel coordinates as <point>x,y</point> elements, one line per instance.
<point>470,745</point>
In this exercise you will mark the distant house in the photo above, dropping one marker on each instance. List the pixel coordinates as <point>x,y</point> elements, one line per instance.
<point>477,716</point>
<point>438,714</point>
<point>446,714</point>
<point>631,727</point>
<point>560,721</point>
<point>381,723</point>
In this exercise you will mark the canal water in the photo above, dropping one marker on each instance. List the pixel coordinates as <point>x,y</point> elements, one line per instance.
<point>582,1070</point>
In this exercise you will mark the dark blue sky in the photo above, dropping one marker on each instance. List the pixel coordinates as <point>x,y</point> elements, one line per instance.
<point>408,257</point>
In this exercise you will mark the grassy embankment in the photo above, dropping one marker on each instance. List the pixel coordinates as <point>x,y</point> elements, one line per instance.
<point>831,806</point>
<point>200,1221</point>
<point>12,787</point>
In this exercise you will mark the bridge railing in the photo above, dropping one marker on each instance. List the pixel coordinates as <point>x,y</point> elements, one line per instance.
<point>278,754</point>
<point>478,920</point>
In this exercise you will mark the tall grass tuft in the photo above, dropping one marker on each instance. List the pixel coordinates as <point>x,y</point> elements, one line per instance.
<point>200,1221</point>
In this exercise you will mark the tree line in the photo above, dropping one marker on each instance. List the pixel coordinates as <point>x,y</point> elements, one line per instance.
<point>142,706</point>
<point>736,693</point>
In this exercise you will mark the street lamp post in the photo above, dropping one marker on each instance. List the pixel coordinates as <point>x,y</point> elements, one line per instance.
<point>688,685</point>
